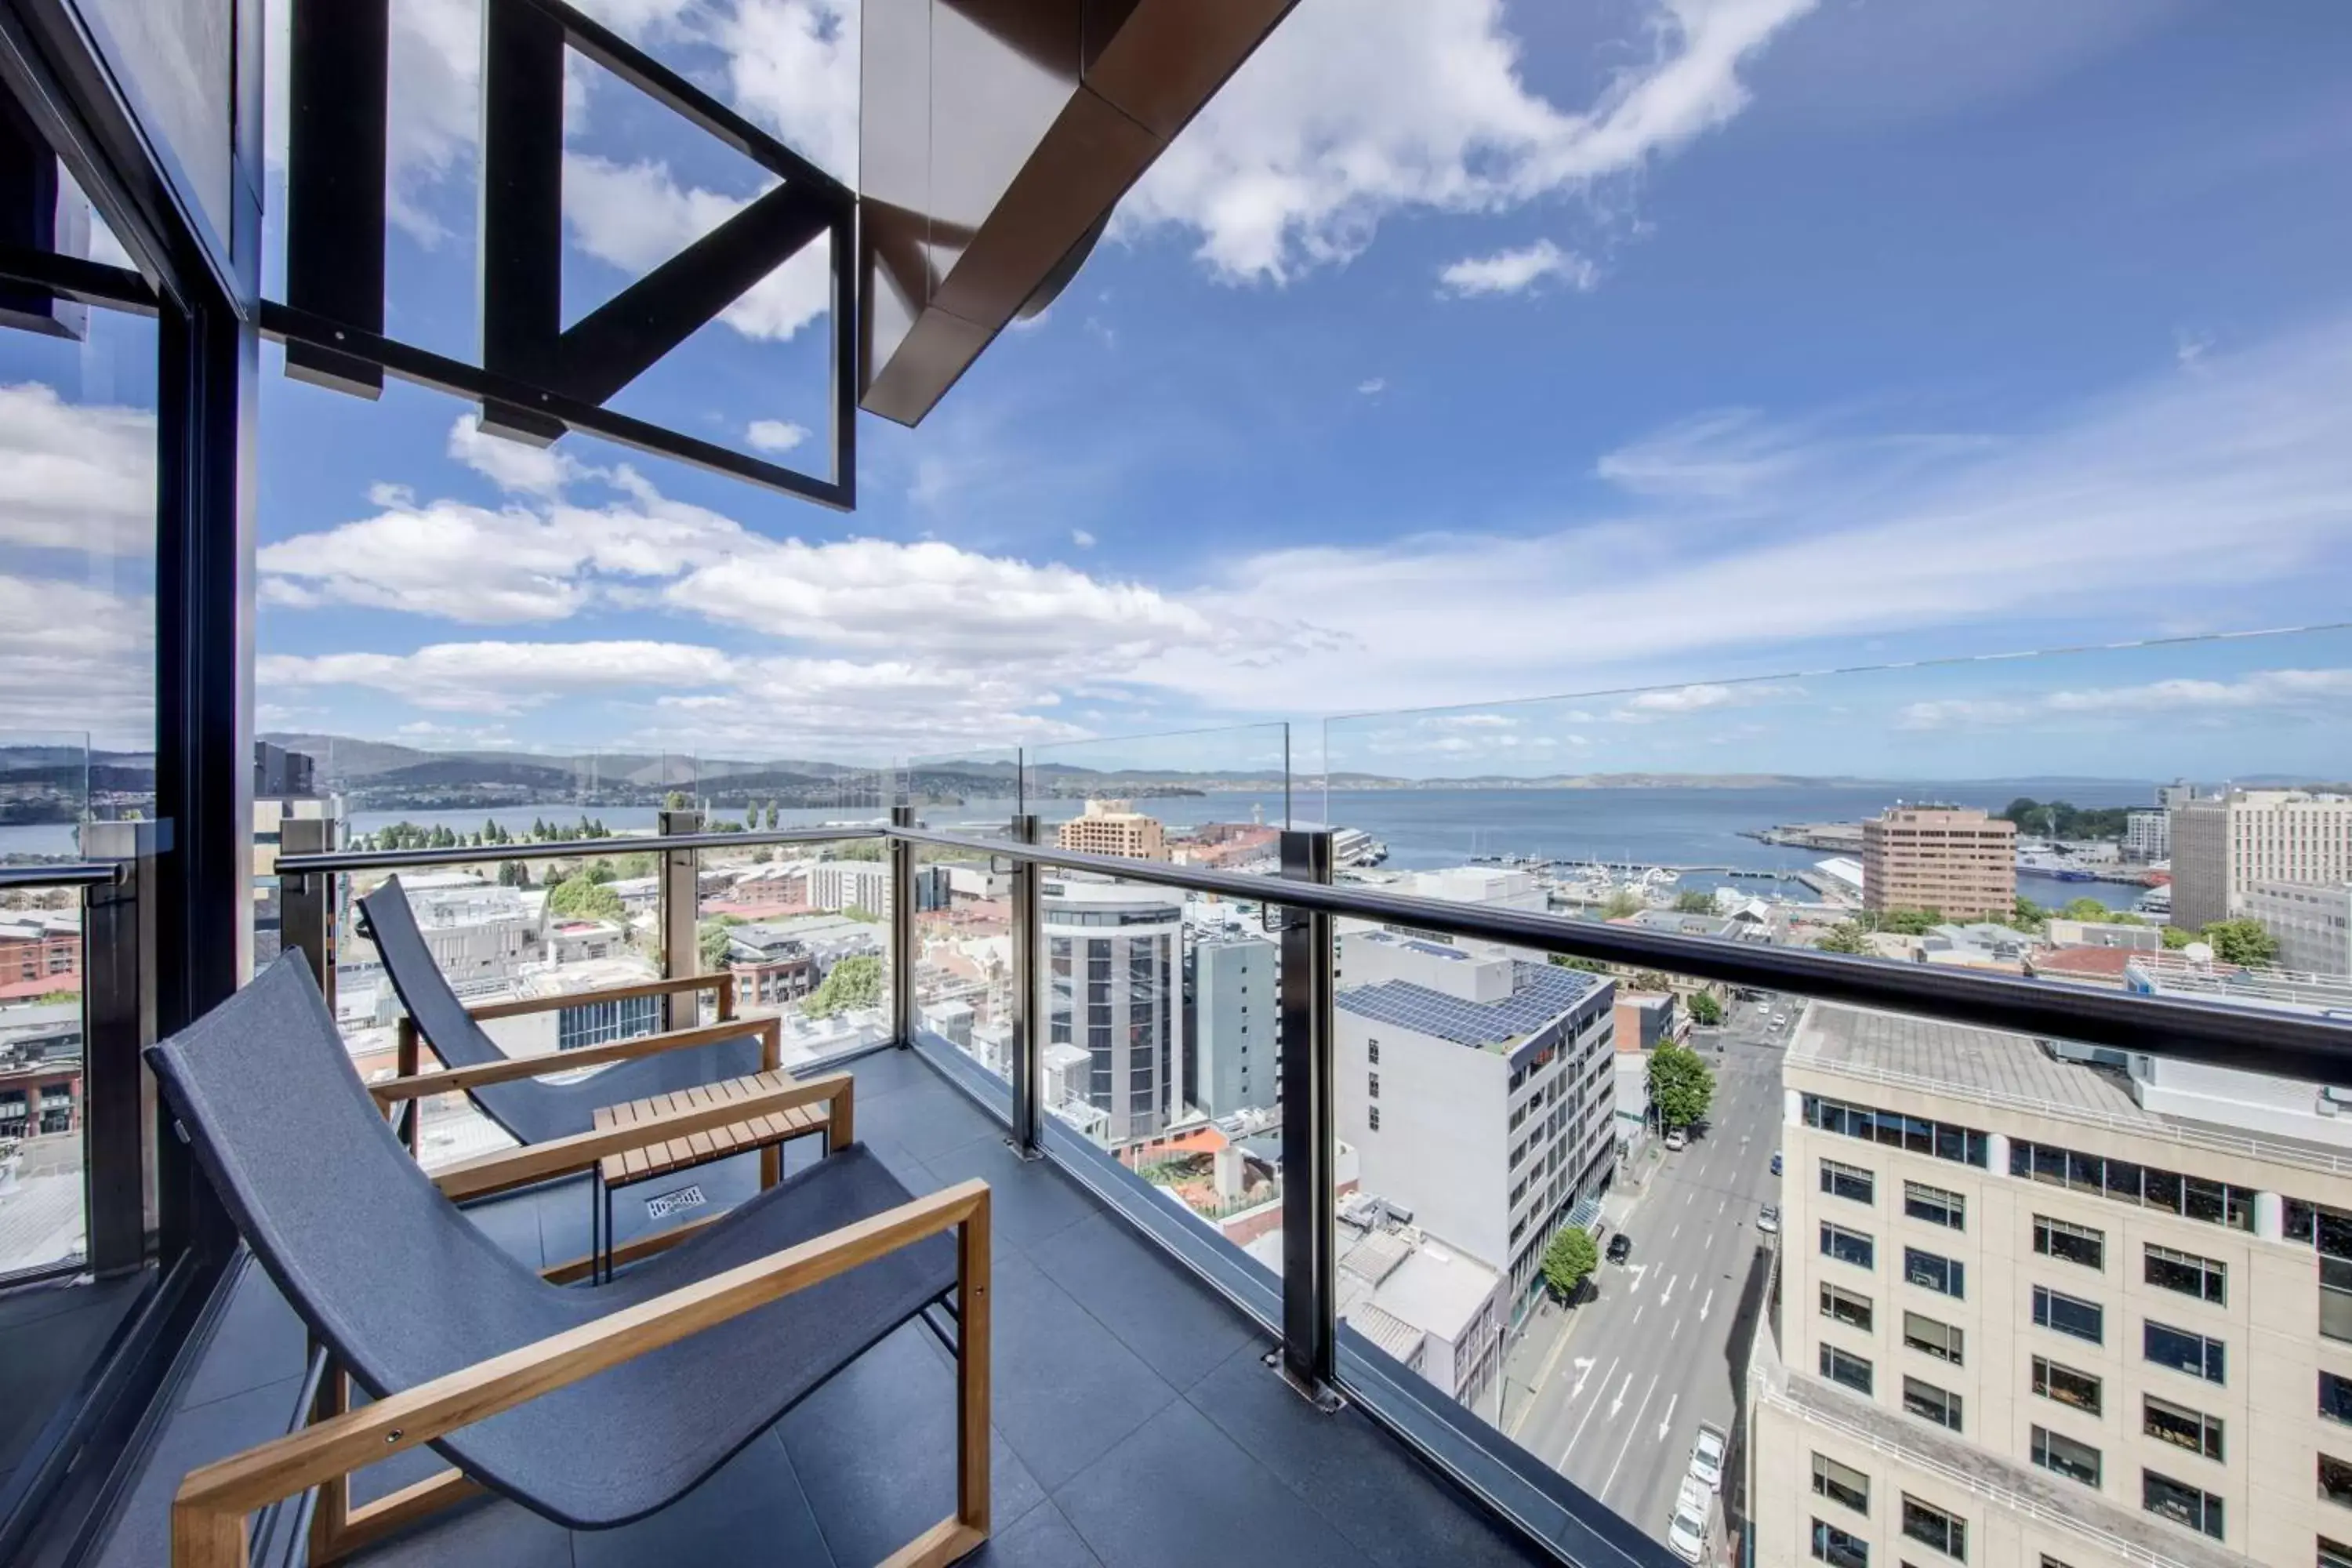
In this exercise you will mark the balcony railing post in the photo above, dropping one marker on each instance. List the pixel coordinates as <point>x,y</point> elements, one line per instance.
<point>902,929</point>
<point>306,912</point>
<point>681,911</point>
<point>120,983</point>
<point>1029,1002</point>
<point>1309,1141</point>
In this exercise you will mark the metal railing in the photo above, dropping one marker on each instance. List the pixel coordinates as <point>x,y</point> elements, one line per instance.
<point>64,874</point>
<point>1311,905</point>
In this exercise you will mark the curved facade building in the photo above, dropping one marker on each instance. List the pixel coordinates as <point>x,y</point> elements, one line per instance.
<point>1115,966</point>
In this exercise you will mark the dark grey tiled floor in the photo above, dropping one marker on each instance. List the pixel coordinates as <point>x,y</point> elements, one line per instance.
<point>54,1335</point>
<point>1134,1424</point>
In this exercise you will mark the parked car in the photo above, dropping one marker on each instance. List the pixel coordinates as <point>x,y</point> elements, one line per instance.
<point>1677,1140</point>
<point>1707,1456</point>
<point>1687,1530</point>
<point>1776,1161</point>
<point>1767,1220</point>
<point>1621,1247</point>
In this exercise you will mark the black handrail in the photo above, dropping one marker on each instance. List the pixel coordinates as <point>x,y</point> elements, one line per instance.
<point>66,874</point>
<point>2287,1044</point>
<point>339,861</point>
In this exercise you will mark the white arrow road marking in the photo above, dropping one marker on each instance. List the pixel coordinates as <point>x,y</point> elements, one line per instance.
<point>1675,1232</point>
<point>1631,1433</point>
<point>1667,1294</point>
<point>1589,1414</point>
<point>1619,1402</point>
<point>1666,1425</point>
<point>1583,1372</point>
<point>1705,1305</point>
<point>1637,1314</point>
<point>1721,1206</point>
<point>1637,1271</point>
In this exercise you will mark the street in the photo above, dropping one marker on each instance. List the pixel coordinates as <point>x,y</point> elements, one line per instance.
<point>1655,1354</point>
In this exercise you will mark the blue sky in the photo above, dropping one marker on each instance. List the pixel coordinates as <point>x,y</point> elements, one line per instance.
<point>1462,352</point>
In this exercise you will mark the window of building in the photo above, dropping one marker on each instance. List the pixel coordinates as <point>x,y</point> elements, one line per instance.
<point>1841,1483</point>
<point>2181,1426</point>
<point>2336,1298</point>
<point>1963,1145</point>
<point>1849,1182</point>
<point>1375,1122</point>
<point>2070,1243</point>
<point>1846,1246</point>
<point>2050,1562</point>
<point>2190,1506</point>
<point>2061,1455</point>
<point>2186,1273</point>
<point>2064,1384</point>
<point>2334,1397</point>
<point>2336,1481</point>
<point>2334,1553</point>
<point>1935,1206</point>
<point>2069,1315</point>
<point>2199,1355</point>
<point>1375,1083</point>
<point>2192,1197</point>
<point>1839,1366</point>
<point>1846,1307</point>
<point>1931,1526</point>
<point>1929,1403</point>
<point>1941,1340</point>
<point>1371,1047</point>
<point>1934,1271</point>
<point>1838,1550</point>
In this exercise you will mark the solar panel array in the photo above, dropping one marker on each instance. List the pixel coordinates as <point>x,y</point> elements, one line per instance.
<point>1539,994</point>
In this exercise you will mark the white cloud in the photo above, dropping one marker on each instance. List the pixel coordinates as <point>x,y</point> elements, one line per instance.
<point>1082,539</point>
<point>2189,347</point>
<point>1515,271</point>
<point>792,64</point>
<point>75,476</point>
<point>775,434</point>
<point>511,465</point>
<point>1371,387</point>
<point>2256,693</point>
<point>75,660</point>
<point>1358,109</point>
<point>503,677</point>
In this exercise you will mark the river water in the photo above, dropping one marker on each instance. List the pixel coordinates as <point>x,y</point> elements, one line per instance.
<point>1431,827</point>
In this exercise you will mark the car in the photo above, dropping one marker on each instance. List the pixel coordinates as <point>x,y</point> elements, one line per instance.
<point>1677,1139</point>
<point>1776,1161</point>
<point>1767,1220</point>
<point>1686,1527</point>
<point>1707,1456</point>
<point>1621,1247</point>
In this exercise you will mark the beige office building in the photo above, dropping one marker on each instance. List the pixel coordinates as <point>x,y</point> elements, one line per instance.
<point>1115,827</point>
<point>1956,860</point>
<point>2024,1321</point>
<point>2225,846</point>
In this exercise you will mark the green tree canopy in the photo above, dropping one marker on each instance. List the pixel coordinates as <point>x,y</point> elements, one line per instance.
<point>1569,1260</point>
<point>1705,1010</point>
<point>1651,980</point>
<point>2241,941</point>
<point>1682,1086</point>
<point>581,897</point>
<point>712,943</point>
<point>1847,936</point>
<point>513,874</point>
<point>1622,902</point>
<point>2178,936</point>
<point>1910,922</point>
<point>2085,910</point>
<point>674,801</point>
<point>1694,901</point>
<point>2028,916</point>
<point>855,982</point>
<point>1589,965</point>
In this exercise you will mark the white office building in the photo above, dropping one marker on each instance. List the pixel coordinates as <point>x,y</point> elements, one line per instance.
<point>2147,834</point>
<point>2311,920</point>
<point>1233,1056</point>
<point>1115,958</point>
<point>2225,846</point>
<point>1479,1090</point>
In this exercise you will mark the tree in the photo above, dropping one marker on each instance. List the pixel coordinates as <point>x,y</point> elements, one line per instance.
<point>1705,1010</point>
<point>1843,937</point>
<point>1682,1086</point>
<point>855,982</point>
<point>1910,922</point>
<point>772,816</point>
<point>712,943</point>
<point>2241,941</point>
<point>1694,902</point>
<point>1622,903</point>
<point>1651,980</point>
<point>674,801</point>
<point>855,913</point>
<point>1569,1260</point>
<point>581,897</point>
<point>2085,909</point>
<point>1589,965</point>
<point>513,874</point>
<point>600,871</point>
<point>2027,915</point>
<point>2177,937</point>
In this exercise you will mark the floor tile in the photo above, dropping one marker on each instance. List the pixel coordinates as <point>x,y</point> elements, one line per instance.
<point>486,1530</point>
<point>1179,1493</point>
<point>194,1435</point>
<point>1041,1538</point>
<point>924,1119</point>
<point>1029,1200</point>
<point>1065,1389</point>
<point>1144,1297</point>
<point>875,1449</point>
<point>1358,1477</point>
<point>259,1341</point>
<point>752,1511</point>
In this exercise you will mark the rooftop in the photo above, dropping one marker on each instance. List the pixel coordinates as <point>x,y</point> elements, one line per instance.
<point>1956,1058</point>
<point>1541,994</point>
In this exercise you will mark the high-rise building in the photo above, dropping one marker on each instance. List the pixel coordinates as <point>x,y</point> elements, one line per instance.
<point>1954,860</point>
<point>1114,989</point>
<point>2311,921</point>
<point>1478,1090</point>
<point>2148,833</point>
<point>1114,827</point>
<point>2043,1304</point>
<point>1233,1054</point>
<point>2222,846</point>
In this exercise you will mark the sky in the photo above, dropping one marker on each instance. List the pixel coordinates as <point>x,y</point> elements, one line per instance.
<point>1460,353</point>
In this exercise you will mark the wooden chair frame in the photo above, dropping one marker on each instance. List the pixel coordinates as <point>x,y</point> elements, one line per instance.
<point>209,1513</point>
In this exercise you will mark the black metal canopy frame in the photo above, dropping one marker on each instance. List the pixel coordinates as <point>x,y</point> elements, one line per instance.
<point>537,379</point>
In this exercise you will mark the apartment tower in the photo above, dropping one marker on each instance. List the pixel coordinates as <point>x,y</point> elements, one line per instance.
<point>1954,860</point>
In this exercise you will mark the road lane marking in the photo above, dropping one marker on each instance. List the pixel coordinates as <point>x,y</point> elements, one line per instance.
<point>1674,1233</point>
<point>1667,1425</point>
<point>1633,1432</point>
<point>1706,1304</point>
<point>1584,1371</point>
<point>1667,1294</point>
<point>1596,1405</point>
<point>1637,1314</point>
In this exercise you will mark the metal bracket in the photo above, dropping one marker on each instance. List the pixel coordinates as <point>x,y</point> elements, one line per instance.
<point>1322,1396</point>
